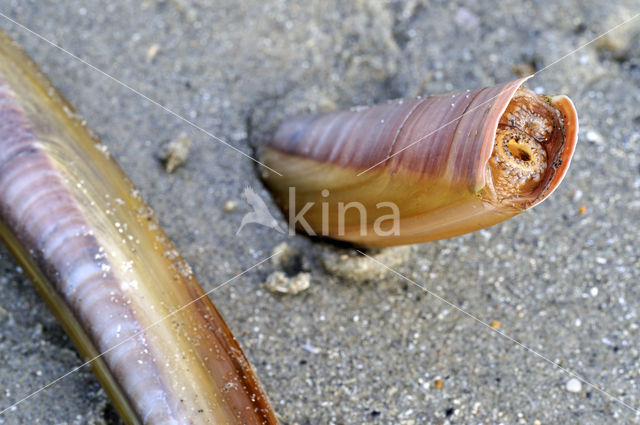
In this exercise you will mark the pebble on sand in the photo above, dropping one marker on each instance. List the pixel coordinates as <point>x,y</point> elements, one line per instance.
<point>574,385</point>
<point>174,153</point>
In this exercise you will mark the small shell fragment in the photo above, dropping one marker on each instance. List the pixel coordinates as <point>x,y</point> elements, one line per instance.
<point>355,267</point>
<point>290,278</point>
<point>278,281</point>
<point>152,51</point>
<point>175,152</point>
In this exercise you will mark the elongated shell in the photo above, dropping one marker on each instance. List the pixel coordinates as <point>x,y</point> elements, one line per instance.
<point>110,274</point>
<point>423,169</point>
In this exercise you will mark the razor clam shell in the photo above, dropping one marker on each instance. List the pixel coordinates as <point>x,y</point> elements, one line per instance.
<point>113,278</point>
<point>427,156</point>
<point>451,133</point>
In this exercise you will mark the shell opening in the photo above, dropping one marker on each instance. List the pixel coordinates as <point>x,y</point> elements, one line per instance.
<point>530,135</point>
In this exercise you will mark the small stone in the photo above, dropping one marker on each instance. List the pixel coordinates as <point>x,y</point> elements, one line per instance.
<point>574,385</point>
<point>152,51</point>
<point>230,205</point>
<point>593,137</point>
<point>495,325</point>
<point>310,348</point>
<point>175,152</point>
<point>437,383</point>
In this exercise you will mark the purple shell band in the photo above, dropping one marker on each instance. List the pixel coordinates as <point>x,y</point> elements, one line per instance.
<point>36,205</point>
<point>430,136</point>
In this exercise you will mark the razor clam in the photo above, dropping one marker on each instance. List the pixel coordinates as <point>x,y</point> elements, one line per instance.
<point>89,243</point>
<point>419,170</point>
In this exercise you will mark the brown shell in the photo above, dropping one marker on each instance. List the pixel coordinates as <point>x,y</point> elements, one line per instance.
<point>429,156</point>
<point>122,292</point>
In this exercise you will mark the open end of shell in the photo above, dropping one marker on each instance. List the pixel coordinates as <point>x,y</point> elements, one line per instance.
<point>528,142</point>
